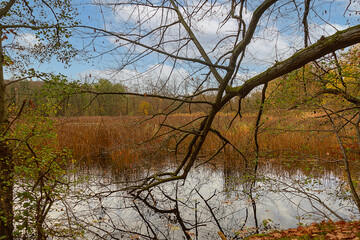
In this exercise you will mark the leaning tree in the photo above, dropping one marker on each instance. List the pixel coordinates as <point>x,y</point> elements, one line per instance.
<point>224,48</point>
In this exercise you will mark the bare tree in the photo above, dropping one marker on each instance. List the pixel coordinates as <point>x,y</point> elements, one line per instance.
<point>216,42</point>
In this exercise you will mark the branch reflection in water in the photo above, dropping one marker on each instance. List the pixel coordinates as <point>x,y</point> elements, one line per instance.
<point>218,197</point>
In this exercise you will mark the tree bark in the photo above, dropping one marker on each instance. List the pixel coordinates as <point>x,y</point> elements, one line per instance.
<point>324,46</point>
<point>6,192</point>
<point>6,163</point>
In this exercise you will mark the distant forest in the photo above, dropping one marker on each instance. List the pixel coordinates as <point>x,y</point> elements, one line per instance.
<point>79,99</point>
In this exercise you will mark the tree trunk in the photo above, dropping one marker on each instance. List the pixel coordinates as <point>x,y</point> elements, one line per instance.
<point>6,163</point>
<point>6,192</point>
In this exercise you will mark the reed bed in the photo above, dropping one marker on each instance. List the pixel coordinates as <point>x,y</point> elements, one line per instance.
<point>132,142</point>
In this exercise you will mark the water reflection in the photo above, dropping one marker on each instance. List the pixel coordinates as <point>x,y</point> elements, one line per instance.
<point>216,197</point>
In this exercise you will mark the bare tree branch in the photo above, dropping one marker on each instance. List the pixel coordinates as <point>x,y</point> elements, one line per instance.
<point>315,51</point>
<point>7,7</point>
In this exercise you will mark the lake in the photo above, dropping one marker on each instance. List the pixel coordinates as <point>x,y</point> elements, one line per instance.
<point>215,197</point>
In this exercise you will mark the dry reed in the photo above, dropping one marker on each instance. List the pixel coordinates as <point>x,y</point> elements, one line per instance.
<point>128,142</point>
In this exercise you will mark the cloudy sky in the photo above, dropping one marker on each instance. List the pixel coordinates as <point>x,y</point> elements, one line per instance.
<point>278,35</point>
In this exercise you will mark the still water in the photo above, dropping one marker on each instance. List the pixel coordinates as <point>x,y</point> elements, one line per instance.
<point>214,198</point>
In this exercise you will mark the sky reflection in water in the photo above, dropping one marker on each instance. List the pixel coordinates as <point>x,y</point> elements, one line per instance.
<point>285,196</point>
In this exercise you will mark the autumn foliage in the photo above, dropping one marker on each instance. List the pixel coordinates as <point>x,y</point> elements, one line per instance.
<point>324,230</point>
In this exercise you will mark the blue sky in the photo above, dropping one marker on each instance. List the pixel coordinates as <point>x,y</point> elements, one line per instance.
<point>276,38</point>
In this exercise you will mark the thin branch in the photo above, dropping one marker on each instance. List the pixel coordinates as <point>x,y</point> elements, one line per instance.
<point>197,43</point>
<point>7,8</point>
<point>347,164</point>
<point>195,60</point>
<point>319,49</point>
<point>16,117</point>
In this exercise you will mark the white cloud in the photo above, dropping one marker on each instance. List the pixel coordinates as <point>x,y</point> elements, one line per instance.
<point>27,40</point>
<point>353,8</point>
<point>275,39</point>
<point>122,76</point>
<point>271,45</point>
<point>210,25</point>
<point>146,16</point>
<point>155,79</point>
<point>316,31</point>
